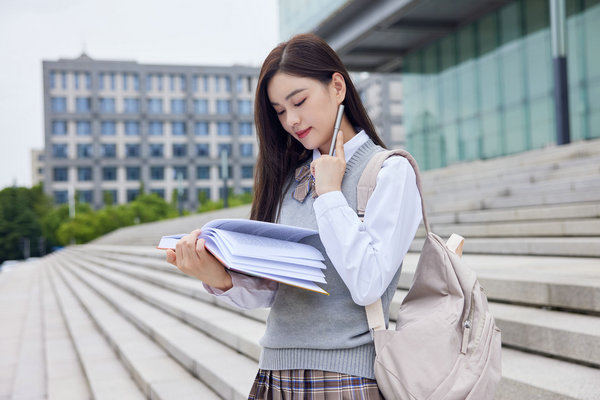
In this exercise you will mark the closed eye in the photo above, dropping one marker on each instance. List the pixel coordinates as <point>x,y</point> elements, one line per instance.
<point>299,104</point>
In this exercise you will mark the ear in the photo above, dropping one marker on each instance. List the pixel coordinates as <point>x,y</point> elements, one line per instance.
<point>338,87</point>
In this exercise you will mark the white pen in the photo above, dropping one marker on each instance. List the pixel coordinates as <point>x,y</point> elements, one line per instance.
<point>336,128</point>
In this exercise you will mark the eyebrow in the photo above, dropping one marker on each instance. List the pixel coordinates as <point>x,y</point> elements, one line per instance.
<point>290,95</point>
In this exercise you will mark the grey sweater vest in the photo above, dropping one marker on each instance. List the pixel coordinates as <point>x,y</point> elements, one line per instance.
<point>308,330</point>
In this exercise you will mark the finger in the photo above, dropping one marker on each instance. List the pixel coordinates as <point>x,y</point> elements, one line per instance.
<point>339,146</point>
<point>171,257</point>
<point>200,246</point>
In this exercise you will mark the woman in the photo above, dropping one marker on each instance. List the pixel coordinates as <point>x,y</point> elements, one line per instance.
<point>317,345</point>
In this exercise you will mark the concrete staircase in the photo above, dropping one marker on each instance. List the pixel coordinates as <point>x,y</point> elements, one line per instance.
<point>113,320</point>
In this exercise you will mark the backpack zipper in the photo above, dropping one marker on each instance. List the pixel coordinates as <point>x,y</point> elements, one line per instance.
<point>467,325</point>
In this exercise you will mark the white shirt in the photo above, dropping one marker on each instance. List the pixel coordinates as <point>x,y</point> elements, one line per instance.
<point>365,254</point>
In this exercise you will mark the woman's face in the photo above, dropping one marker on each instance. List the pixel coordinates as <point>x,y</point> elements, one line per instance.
<point>306,107</point>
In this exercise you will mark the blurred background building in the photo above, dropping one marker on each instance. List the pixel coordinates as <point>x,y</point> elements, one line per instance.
<point>477,75</point>
<point>113,128</point>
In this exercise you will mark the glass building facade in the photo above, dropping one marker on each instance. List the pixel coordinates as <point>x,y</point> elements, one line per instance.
<point>486,90</point>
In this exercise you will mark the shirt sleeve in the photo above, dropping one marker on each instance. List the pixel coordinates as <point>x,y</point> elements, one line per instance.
<point>368,254</point>
<point>247,292</point>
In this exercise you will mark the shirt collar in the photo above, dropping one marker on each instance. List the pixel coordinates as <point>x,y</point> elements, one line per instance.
<point>350,146</point>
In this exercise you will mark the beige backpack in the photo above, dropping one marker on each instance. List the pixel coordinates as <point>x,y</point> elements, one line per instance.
<point>446,344</point>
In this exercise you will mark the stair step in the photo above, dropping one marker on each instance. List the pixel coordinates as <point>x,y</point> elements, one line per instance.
<point>562,246</point>
<point>565,283</point>
<point>525,376</point>
<point>107,377</point>
<point>15,288</point>
<point>64,374</point>
<point>29,380</point>
<point>154,371</point>
<point>227,372</point>
<point>589,227</point>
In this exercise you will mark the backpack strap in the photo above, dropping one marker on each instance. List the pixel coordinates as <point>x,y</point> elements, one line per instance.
<point>366,186</point>
<point>368,181</point>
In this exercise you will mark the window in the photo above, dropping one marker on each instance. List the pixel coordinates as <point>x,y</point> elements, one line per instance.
<point>182,82</point>
<point>195,83</point>
<point>178,128</point>
<point>131,106</point>
<point>178,106</point>
<point>245,129</point>
<point>224,129</point>
<point>159,192</point>
<point>227,81</point>
<point>83,104</point>
<point>60,150</point>
<point>155,128</point>
<point>59,127</point>
<point>245,107</point>
<point>88,81</point>
<point>85,196</point>
<point>157,173</point>
<point>203,172</point>
<point>156,150</point>
<point>61,197</point>
<point>149,82</point>
<point>107,105</point>
<point>132,173</point>
<point>180,170</point>
<point>201,106</point>
<point>172,81</point>
<point>155,106</point>
<point>179,150</point>
<point>246,149</point>
<point>159,78</point>
<point>84,150</point>
<point>217,84</point>
<point>202,149</point>
<point>132,128</point>
<point>223,107</point>
<point>132,150</point>
<point>108,150</point>
<point>64,80</point>
<point>109,174</point>
<point>136,82</point>
<point>240,84</point>
<point>58,104</point>
<point>124,81</point>
<point>108,128</point>
<point>84,174</point>
<point>224,147</point>
<point>76,80</point>
<point>201,128</point>
<point>247,171</point>
<point>113,81</point>
<point>132,194</point>
<point>84,128</point>
<point>101,81</point>
<point>205,83</point>
<point>52,79</point>
<point>60,174</point>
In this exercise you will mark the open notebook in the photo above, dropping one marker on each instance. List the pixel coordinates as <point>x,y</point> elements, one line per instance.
<point>262,249</point>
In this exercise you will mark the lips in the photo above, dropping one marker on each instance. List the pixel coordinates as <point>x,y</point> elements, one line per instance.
<point>303,133</point>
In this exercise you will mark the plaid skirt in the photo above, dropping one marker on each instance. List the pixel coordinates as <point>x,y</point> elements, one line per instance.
<point>312,385</point>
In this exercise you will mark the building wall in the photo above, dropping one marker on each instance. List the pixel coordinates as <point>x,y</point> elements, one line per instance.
<point>381,95</point>
<point>300,16</point>
<point>487,90</point>
<point>37,166</point>
<point>106,121</point>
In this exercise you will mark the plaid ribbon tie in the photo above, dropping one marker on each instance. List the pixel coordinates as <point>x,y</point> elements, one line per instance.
<point>306,183</point>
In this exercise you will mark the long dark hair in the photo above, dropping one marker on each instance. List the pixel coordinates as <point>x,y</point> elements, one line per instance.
<point>307,56</point>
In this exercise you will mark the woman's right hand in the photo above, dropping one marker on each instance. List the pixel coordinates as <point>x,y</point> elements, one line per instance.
<point>192,258</point>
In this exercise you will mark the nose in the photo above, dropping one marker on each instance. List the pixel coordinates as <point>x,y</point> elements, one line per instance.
<point>293,118</point>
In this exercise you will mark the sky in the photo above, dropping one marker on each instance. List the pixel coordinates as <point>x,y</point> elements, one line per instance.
<point>188,32</point>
